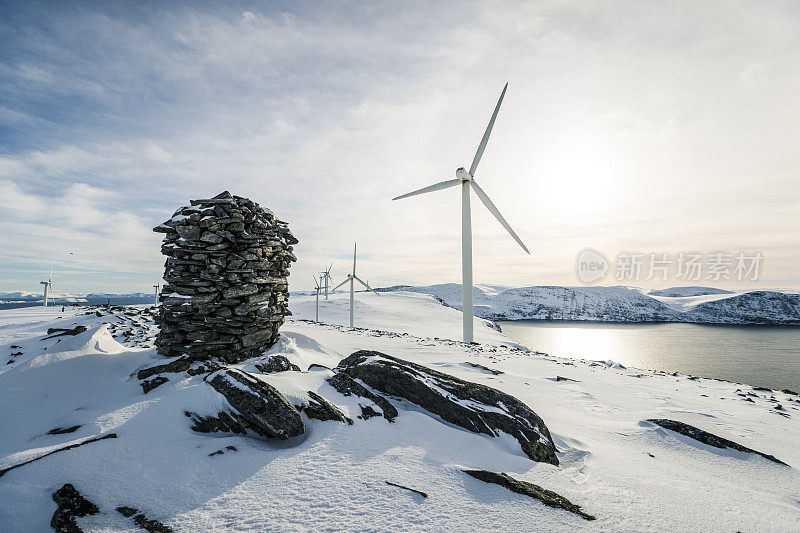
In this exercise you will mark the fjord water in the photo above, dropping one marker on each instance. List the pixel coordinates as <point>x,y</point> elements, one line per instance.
<point>763,356</point>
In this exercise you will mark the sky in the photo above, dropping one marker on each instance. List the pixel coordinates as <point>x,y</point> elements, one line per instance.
<point>628,127</point>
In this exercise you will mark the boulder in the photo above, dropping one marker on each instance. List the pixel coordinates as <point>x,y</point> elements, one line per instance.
<point>276,363</point>
<point>472,406</point>
<point>708,438</point>
<point>319,408</point>
<point>70,504</point>
<point>547,497</point>
<point>347,386</point>
<point>255,405</point>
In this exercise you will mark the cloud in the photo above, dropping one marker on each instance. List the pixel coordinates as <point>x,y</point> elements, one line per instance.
<point>651,125</point>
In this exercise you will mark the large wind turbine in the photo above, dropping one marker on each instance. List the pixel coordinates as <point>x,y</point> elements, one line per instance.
<point>47,285</point>
<point>467,181</point>
<point>353,278</point>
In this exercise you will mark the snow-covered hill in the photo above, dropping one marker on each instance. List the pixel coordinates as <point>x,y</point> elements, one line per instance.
<point>631,474</point>
<point>623,304</point>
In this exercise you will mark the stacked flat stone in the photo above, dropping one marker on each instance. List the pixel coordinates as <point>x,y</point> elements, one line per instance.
<point>226,292</point>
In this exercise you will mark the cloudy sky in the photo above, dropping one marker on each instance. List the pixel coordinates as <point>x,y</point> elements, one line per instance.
<point>637,126</point>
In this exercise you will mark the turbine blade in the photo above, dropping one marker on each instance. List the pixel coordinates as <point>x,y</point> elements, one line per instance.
<point>354,258</point>
<point>315,282</point>
<point>435,187</point>
<point>493,210</point>
<point>474,166</point>
<point>342,283</point>
<point>364,284</point>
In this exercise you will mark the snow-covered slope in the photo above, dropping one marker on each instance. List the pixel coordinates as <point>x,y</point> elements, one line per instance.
<point>630,474</point>
<point>623,304</point>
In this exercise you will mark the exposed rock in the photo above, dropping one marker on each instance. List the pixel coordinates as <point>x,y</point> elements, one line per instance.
<point>562,378</point>
<point>60,332</point>
<point>787,391</point>
<point>346,386</point>
<point>707,438</point>
<point>226,292</point>
<point>151,384</point>
<point>472,406</point>
<point>70,504</point>
<point>63,448</point>
<point>254,405</point>
<point>485,368</point>
<point>319,408</point>
<point>423,494</point>
<point>61,431</point>
<point>276,363</point>
<point>152,526</point>
<point>547,497</point>
<point>178,365</point>
<point>223,422</point>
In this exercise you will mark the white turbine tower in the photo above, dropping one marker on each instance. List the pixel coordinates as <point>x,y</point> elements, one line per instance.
<point>318,287</point>
<point>326,277</point>
<point>47,285</point>
<point>353,278</point>
<point>156,287</point>
<point>467,181</point>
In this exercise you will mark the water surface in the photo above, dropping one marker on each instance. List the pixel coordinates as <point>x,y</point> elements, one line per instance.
<point>766,356</point>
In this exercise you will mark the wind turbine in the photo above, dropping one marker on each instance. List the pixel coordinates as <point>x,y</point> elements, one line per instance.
<point>467,181</point>
<point>353,278</point>
<point>156,287</point>
<point>47,285</point>
<point>326,276</point>
<point>318,287</point>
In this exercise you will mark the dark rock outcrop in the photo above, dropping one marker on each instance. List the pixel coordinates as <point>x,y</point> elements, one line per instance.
<point>226,292</point>
<point>547,497</point>
<point>4,471</point>
<point>181,364</point>
<point>60,332</point>
<point>319,408</point>
<point>276,363</point>
<point>472,406</point>
<point>151,384</point>
<point>707,438</point>
<point>61,431</point>
<point>152,526</point>
<point>70,504</point>
<point>255,405</point>
<point>347,386</point>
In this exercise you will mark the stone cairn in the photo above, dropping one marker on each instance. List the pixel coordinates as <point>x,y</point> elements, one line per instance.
<point>226,292</point>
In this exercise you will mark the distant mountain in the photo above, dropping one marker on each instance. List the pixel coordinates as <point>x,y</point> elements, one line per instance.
<point>705,305</point>
<point>20,297</point>
<point>680,292</point>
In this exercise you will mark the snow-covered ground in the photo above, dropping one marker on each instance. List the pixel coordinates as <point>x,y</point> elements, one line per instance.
<point>705,305</point>
<point>630,474</point>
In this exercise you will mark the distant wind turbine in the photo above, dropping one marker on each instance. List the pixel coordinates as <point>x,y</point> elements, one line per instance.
<point>156,287</point>
<point>326,276</point>
<point>467,180</point>
<point>318,287</point>
<point>353,278</point>
<point>47,285</point>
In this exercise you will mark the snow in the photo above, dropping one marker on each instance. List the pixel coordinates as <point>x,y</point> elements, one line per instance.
<point>333,477</point>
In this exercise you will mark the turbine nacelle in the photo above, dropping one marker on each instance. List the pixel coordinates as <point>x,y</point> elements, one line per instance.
<point>463,175</point>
